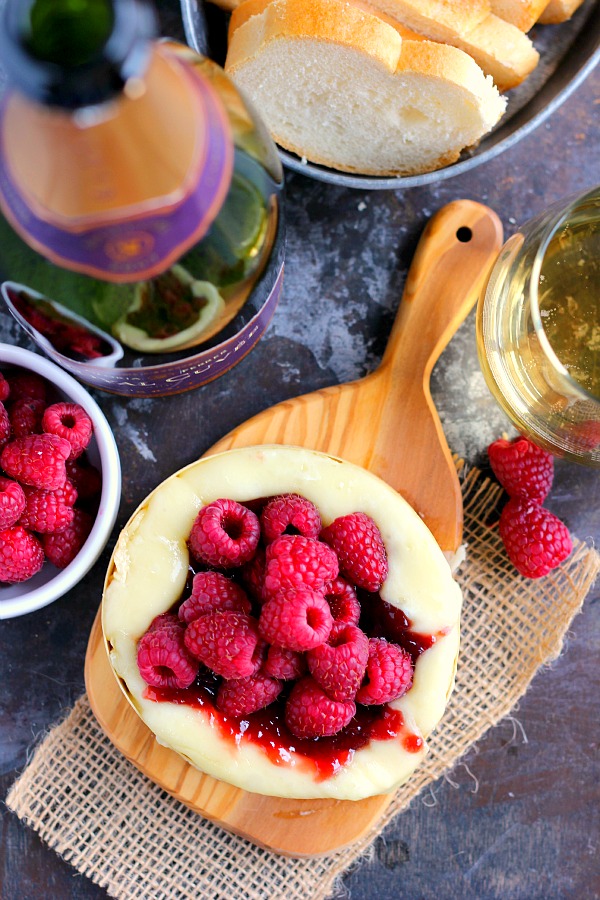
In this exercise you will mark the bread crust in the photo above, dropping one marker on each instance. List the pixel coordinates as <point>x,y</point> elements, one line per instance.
<point>559,11</point>
<point>498,47</point>
<point>523,14</point>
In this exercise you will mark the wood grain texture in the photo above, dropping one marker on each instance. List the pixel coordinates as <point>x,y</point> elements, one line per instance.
<point>387,423</point>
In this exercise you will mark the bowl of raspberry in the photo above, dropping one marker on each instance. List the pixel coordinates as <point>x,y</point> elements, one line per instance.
<point>60,481</point>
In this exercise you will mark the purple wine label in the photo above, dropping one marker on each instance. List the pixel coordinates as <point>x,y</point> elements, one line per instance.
<point>137,247</point>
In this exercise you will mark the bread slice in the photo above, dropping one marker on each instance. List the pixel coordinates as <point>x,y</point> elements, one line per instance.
<point>559,11</point>
<point>339,86</point>
<point>499,48</point>
<point>523,14</point>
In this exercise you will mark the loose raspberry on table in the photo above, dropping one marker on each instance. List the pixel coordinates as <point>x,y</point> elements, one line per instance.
<point>46,513</point>
<point>12,502</point>
<point>242,696</point>
<point>388,675</point>
<point>536,540</point>
<point>339,664</point>
<point>290,514</point>
<point>5,426</point>
<point>227,642</point>
<point>357,541</point>
<point>310,713</point>
<point>225,534</point>
<point>26,384</point>
<point>71,422</point>
<point>163,659</point>
<point>287,665</point>
<point>522,468</point>
<point>37,460</point>
<point>297,619</point>
<point>294,561</point>
<point>343,602</point>
<point>21,555</point>
<point>211,591</point>
<point>62,547</point>
<point>26,416</point>
<point>85,477</point>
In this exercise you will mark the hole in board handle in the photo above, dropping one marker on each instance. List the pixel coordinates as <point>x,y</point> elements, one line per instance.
<point>464,234</point>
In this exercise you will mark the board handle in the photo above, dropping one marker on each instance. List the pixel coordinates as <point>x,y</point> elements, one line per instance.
<point>449,268</point>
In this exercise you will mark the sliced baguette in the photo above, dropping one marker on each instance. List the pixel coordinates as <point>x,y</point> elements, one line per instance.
<point>339,86</point>
<point>523,14</point>
<point>498,47</point>
<point>559,11</point>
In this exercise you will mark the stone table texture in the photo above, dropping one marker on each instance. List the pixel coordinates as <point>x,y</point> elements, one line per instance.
<point>518,818</point>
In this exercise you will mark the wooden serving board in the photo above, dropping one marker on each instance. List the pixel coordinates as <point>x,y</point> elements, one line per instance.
<point>387,423</point>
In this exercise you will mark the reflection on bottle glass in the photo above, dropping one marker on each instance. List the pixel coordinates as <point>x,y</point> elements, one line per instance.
<point>151,212</point>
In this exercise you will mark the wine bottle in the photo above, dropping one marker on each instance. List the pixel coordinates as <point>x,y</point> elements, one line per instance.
<point>138,190</point>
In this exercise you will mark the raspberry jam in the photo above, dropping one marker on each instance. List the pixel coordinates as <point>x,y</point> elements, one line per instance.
<point>266,729</point>
<point>381,619</point>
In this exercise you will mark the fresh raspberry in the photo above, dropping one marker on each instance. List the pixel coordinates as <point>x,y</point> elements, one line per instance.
<point>62,547</point>
<point>85,478</point>
<point>5,426</point>
<point>71,422</point>
<point>210,591</point>
<point>357,541</point>
<point>21,555</point>
<point>339,665</point>
<point>46,513</point>
<point>37,460</point>
<point>225,534</point>
<point>535,539</point>
<point>227,642</point>
<point>389,673</point>
<point>343,602</point>
<point>253,576</point>
<point>242,696</point>
<point>12,502</point>
<point>310,713</point>
<point>287,665</point>
<point>165,620</point>
<point>588,434</point>
<point>163,659</point>
<point>290,514</point>
<point>294,561</point>
<point>297,619</point>
<point>4,389</point>
<point>26,384</point>
<point>26,416</point>
<point>522,468</point>
<point>67,493</point>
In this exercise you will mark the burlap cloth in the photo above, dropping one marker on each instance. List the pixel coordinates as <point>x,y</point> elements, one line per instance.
<point>129,836</point>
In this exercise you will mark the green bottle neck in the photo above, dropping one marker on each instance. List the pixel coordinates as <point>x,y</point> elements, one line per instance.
<point>75,53</point>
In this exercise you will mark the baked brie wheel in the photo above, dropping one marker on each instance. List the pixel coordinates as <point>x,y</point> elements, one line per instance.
<point>418,605</point>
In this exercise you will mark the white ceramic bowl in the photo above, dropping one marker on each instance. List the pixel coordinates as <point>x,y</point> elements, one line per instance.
<point>51,583</point>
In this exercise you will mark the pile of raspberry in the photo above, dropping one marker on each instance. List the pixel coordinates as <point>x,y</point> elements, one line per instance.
<point>49,491</point>
<point>536,540</point>
<point>274,614</point>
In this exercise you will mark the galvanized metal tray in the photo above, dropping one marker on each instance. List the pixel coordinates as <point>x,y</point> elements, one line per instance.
<point>568,53</point>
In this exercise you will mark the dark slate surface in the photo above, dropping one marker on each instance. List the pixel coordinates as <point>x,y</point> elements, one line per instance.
<point>519,817</point>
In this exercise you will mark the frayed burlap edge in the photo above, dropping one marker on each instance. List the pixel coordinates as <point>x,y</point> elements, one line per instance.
<point>125,833</point>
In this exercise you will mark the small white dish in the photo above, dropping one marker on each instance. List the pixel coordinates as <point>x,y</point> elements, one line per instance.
<point>51,583</point>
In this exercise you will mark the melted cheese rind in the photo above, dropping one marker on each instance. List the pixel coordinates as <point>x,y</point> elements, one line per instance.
<point>148,573</point>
